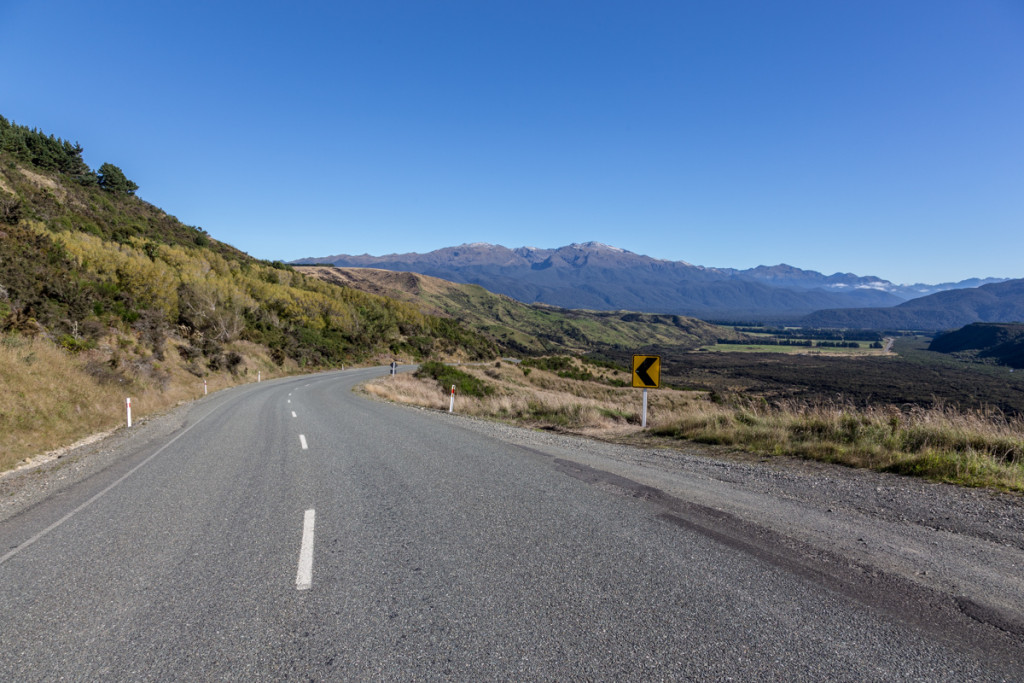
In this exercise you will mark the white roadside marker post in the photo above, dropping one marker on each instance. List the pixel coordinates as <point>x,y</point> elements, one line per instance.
<point>128,406</point>
<point>451,404</point>
<point>259,375</point>
<point>205,391</point>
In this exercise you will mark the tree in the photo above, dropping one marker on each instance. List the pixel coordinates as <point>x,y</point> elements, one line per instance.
<point>75,166</point>
<point>112,179</point>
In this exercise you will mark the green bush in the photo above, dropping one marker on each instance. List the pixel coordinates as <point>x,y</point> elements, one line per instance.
<point>74,345</point>
<point>563,366</point>
<point>446,376</point>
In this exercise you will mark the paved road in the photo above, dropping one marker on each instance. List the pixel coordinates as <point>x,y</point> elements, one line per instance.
<point>293,530</point>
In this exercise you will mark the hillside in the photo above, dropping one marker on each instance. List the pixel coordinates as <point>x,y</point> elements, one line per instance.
<point>139,302</point>
<point>1002,343</point>
<point>526,328</point>
<point>996,303</point>
<point>595,276</point>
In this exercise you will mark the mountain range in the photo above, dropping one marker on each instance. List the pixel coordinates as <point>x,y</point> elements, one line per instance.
<point>597,276</point>
<point>1000,302</point>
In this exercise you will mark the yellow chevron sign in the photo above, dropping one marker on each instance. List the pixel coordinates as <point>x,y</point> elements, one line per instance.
<point>646,372</point>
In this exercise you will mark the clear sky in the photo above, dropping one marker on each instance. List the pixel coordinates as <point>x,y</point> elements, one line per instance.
<point>881,137</point>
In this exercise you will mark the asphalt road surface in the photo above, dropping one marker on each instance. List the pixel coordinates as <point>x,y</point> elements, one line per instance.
<point>293,530</point>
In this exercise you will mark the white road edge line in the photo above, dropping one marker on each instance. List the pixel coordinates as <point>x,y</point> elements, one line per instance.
<point>44,532</point>
<point>302,440</point>
<point>304,577</point>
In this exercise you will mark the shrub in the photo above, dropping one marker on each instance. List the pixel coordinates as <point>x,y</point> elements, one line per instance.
<point>75,345</point>
<point>446,376</point>
<point>234,359</point>
<point>563,366</point>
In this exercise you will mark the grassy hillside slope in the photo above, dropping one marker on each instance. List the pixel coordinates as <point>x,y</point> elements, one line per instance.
<point>103,295</point>
<point>524,328</point>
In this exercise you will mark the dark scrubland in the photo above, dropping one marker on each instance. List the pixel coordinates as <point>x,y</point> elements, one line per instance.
<point>993,343</point>
<point>914,377</point>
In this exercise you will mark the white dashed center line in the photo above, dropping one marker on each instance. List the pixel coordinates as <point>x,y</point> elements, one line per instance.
<point>302,440</point>
<point>304,577</point>
<point>293,414</point>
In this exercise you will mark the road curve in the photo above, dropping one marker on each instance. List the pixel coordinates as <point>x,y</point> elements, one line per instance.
<point>292,529</point>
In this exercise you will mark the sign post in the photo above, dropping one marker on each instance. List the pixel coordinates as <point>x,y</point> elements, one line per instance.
<point>646,375</point>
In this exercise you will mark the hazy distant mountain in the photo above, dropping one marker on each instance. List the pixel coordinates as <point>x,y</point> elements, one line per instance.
<point>1002,302</point>
<point>600,277</point>
<point>788,276</point>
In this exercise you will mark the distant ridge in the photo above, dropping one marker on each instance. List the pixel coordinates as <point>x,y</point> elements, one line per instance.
<point>1002,302</point>
<point>1000,342</point>
<point>597,276</point>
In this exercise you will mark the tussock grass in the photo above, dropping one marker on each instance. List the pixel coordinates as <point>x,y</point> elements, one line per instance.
<point>983,448</point>
<point>47,400</point>
<point>50,398</point>
<point>972,449</point>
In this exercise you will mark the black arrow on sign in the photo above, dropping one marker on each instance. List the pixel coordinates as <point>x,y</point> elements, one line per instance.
<point>642,369</point>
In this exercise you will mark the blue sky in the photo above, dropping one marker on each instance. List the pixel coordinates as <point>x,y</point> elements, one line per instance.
<point>881,137</point>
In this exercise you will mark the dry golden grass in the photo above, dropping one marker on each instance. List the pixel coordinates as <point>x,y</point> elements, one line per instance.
<point>972,449</point>
<point>50,398</point>
<point>540,399</point>
<point>47,400</point>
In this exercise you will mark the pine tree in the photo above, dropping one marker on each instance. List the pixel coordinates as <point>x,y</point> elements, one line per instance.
<point>112,179</point>
<point>75,166</point>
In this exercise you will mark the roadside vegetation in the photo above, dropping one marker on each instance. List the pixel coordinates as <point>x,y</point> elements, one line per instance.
<point>52,398</point>
<point>982,447</point>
